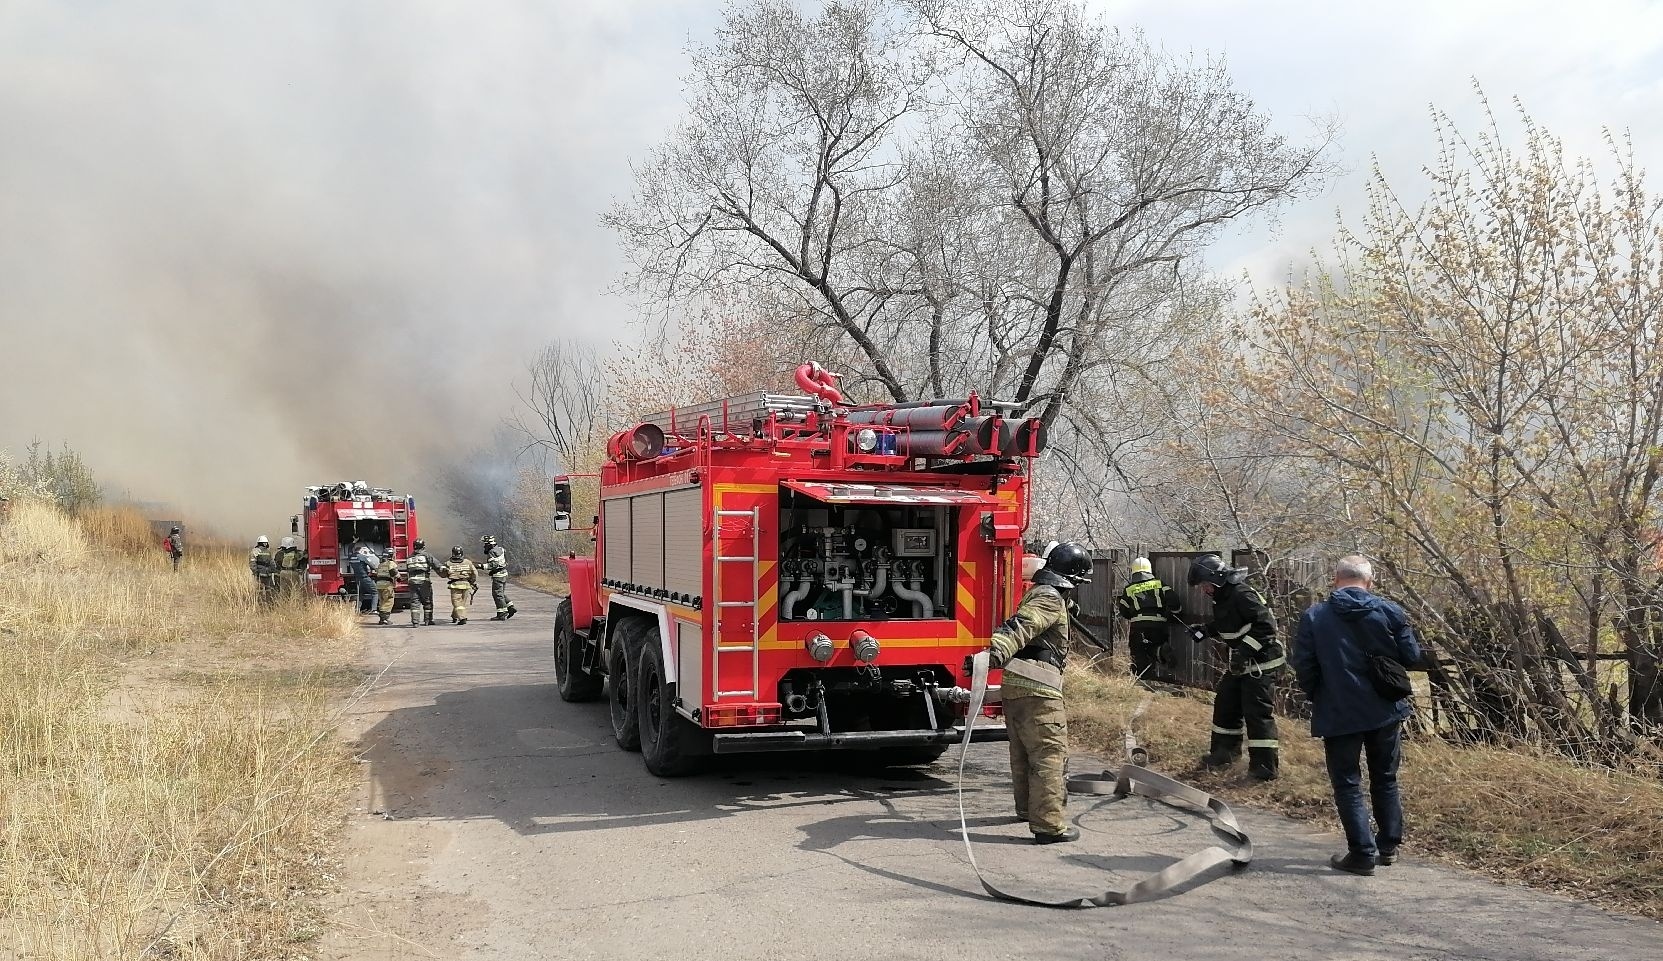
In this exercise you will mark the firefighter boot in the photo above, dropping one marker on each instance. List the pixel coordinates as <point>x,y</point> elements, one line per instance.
<point>512,610</point>
<point>1262,763</point>
<point>383,618</point>
<point>429,617</point>
<point>1223,751</point>
<point>499,616</point>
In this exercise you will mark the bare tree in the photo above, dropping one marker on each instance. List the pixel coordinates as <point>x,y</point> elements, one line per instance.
<point>562,408</point>
<point>1004,195</point>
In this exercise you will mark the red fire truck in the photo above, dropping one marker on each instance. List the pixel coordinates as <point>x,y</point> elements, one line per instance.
<point>339,518</point>
<point>797,573</point>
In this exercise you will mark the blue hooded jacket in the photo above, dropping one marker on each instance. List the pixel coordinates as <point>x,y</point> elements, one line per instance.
<point>1333,669</point>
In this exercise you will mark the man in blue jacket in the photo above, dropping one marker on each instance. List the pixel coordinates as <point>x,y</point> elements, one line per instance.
<point>1331,659</point>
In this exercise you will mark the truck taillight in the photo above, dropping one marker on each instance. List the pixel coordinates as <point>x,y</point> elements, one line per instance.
<point>741,715</point>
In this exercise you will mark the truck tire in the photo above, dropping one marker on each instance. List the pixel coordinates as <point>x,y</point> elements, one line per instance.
<point>669,742</point>
<point>573,683</point>
<point>620,683</point>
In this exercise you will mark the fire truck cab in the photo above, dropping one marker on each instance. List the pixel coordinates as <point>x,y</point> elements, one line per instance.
<point>791,572</point>
<point>336,519</point>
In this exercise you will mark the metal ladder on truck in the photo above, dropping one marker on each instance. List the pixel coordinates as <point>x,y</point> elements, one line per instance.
<point>754,648</point>
<point>400,534</point>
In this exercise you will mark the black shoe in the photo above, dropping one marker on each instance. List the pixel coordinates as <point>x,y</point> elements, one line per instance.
<point>1353,864</point>
<point>429,621</point>
<point>512,610</point>
<point>1386,857</point>
<point>463,621</point>
<point>454,621</point>
<point>499,617</point>
<point>1213,762</point>
<point>1072,834</point>
<point>384,619</point>
<point>1262,773</point>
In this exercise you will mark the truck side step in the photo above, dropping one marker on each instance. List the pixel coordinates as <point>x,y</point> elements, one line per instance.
<point>752,742</point>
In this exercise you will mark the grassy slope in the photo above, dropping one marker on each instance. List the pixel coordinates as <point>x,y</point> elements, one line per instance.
<point>1512,814</point>
<point>189,820</point>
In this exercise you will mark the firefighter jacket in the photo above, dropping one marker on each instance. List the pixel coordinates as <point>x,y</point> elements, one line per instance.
<point>1242,620</point>
<point>290,559</point>
<point>387,571</point>
<point>461,574</point>
<point>496,564</point>
<point>1032,645</point>
<point>1148,603</point>
<point>421,566</point>
<point>259,561</point>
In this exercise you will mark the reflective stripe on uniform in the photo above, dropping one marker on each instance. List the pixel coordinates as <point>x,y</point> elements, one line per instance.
<point>1269,742</point>
<point>1250,642</point>
<point>1234,635</point>
<point>1148,617</point>
<point>1232,732</point>
<point>1034,671</point>
<point>1258,668</point>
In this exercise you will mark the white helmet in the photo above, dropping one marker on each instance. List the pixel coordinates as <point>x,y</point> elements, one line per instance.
<point>262,541</point>
<point>288,542</point>
<point>1141,565</point>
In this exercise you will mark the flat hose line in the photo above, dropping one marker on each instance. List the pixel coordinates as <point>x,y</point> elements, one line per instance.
<point>1132,780</point>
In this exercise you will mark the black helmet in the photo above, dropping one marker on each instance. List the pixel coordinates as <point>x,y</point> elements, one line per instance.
<point>420,544</point>
<point>1211,569</point>
<point>175,529</point>
<point>1071,561</point>
<point>487,540</point>
<point>456,552</point>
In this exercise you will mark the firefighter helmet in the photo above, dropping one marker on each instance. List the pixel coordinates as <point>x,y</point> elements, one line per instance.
<point>288,542</point>
<point>488,540</point>
<point>420,544</point>
<point>456,553</point>
<point>1211,569</point>
<point>1141,565</point>
<point>262,541</point>
<point>175,529</point>
<point>1071,561</point>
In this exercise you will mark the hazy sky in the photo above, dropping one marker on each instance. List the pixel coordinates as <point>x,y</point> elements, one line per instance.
<point>256,245</point>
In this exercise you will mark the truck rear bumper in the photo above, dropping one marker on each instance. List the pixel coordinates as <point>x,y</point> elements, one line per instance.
<point>752,742</point>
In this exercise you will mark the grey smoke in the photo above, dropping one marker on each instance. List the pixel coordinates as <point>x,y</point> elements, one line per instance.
<point>248,247</point>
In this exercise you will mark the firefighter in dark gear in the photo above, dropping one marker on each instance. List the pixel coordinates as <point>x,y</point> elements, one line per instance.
<point>419,570</point>
<point>386,575</point>
<point>261,566</point>
<point>460,576</point>
<point>496,565</point>
<point>174,546</point>
<point>291,567</point>
<point>1150,607</point>
<point>1032,647</point>
<point>1242,701</point>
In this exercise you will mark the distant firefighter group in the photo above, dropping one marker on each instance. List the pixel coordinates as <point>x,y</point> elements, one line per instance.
<point>375,577</point>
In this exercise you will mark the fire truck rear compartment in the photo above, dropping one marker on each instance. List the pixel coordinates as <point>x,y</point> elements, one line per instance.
<point>866,562</point>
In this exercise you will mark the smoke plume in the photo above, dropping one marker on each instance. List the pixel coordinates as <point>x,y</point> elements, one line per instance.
<point>252,246</point>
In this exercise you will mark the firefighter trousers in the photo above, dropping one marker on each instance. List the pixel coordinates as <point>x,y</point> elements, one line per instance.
<point>386,596</point>
<point>1148,647</point>
<point>1242,708</point>
<point>499,594</point>
<point>421,601</point>
<point>459,602</point>
<point>1039,751</point>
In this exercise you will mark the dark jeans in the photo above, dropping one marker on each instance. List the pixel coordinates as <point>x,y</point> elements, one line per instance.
<point>1384,749</point>
<point>366,595</point>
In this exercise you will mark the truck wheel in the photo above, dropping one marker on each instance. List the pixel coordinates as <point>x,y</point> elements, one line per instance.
<point>573,683</point>
<point>668,740</point>
<point>620,683</point>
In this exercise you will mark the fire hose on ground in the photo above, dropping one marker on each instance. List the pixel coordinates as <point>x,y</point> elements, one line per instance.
<point>1132,780</point>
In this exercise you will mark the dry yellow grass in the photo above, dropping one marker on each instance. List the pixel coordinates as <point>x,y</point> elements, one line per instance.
<point>189,827</point>
<point>549,582</point>
<point>1513,814</point>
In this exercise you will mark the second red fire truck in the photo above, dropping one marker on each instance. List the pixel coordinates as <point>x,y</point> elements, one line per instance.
<point>338,518</point>
<point>780,572</point>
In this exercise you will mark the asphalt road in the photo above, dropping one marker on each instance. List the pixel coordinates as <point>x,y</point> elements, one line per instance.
<point>497,822</point>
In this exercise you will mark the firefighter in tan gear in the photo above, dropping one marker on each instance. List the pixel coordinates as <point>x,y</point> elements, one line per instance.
<point>1242,700</point>
<point>420,569</point>
<point>290,564</point>
<point>496,565</point>
<point>1149,607</point>
<point>459,574</point>
<point>386,575</point>
<point>1032,647</point>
